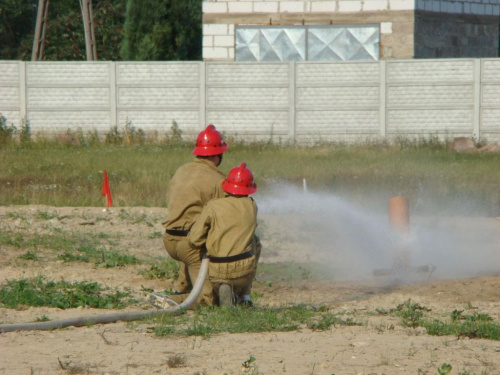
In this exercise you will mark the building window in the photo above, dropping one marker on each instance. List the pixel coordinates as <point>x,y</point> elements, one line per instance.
<point>307,43</point>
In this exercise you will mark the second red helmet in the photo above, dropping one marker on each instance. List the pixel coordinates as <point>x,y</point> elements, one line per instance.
<point>209,142</point>
<point>239,181</point>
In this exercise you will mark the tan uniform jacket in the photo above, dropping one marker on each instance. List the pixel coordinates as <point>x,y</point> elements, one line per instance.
<point>226,227</point>
<point>192,186</point>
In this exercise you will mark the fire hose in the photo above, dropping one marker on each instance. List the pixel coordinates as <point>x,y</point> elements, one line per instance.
<point>113,318</point>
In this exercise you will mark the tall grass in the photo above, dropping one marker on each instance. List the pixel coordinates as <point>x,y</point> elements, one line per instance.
<point>56,173</point>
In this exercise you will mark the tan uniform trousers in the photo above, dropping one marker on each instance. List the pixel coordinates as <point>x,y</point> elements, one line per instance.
<point>180,249</point>
<point>240,286</point>
<point>222,273</point>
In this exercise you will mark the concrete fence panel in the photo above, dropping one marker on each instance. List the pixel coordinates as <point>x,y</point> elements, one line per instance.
<point>430,97</point>
<point>152,96</point>
<point>490,99</point>
<point>12,98</point>
<point>250,101</point>
<point>68,95</point>
<point>303,102</point>
<point>337,102</point>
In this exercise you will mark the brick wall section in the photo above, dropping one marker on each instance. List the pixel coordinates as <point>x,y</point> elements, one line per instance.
<point>478,7</point>
<point>443,35</point>
<point>396,29</point>
<point>397,16</point>
<point>306,102</point>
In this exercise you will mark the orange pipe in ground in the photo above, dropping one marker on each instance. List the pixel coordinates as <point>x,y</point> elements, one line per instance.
<point>399,214</point>
<point>399,217</point>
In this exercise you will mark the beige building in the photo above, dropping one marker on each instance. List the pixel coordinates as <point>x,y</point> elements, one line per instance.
<point>341,30</point>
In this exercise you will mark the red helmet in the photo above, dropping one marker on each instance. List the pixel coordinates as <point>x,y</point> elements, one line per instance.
<point>209,142</point>
<point>239,181</point>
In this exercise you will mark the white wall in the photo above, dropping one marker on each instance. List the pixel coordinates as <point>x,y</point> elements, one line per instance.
<point>305,102</point>
<point>479,7</point>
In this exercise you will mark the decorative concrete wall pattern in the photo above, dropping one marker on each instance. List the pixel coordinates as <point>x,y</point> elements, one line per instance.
<point>251,101</point>
<point>304,102</point>
<point>152,95</point>
<point>67,95</point>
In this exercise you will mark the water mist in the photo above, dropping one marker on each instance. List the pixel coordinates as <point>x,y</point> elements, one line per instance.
<point>351,241</point>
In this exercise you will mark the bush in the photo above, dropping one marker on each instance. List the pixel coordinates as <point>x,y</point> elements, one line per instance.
<point>6,132</point>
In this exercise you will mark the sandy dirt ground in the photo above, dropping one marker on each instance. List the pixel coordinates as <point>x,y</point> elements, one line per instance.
<point>382,345</point>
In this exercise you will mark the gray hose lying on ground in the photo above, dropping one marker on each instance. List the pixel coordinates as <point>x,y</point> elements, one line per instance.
<point>113,318</point>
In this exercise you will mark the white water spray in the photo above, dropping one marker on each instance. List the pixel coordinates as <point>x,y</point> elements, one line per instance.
<point>352,242</point>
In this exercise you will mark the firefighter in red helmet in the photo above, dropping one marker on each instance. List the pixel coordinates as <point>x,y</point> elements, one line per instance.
<point>191,188</point>
<point>226,228</point>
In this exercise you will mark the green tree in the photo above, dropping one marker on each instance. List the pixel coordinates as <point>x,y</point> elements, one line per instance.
<point>162,30</point>
<point>109,18</point>
<point>65,39</point>
<point>16,24</point>
<point>65,36</point>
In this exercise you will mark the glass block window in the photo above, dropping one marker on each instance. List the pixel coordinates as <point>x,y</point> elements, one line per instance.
<point>307,43</point>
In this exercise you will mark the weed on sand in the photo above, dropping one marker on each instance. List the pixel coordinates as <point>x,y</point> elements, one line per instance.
<point>476,325</point>
<point>61,294</point>
<point>206,322</point>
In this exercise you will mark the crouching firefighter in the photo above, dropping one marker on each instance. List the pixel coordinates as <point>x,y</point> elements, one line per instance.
<point>226,228</point>
<point>193,185</point>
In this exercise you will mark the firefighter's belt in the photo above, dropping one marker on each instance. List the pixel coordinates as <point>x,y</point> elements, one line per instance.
<point>179,233</point>
<point>232,258</point>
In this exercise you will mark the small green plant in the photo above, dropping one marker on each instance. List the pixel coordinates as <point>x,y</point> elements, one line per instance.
<point>411,314</point>
<point>305,273</point>
<point>249,363</point>
<point>456,315</point>
<point>25,133</point>
<point>29,256</point>
<point>384,360</point>
<point>164,331</point>
<point>328,320</point>
<point>113,137</point>
<point>470,306</point>
<point>133,135</point>
<point>292,271</point>
<point>154,235</point>
<point>99,256</point>
<point>15,215</point>
<point>477,325</point>
<point>61,294</point>
<point>413,350</point>
<point>212,320</point>
<point>256,295</point>
<point>175,136</point>
<point>8,238</point>
<point>176,361</point>
<point>444,369</point>
<point>91,139</point>
<point>165,269</point>
<point>7,131</point>
<point>135,218</point>
<point>43,318</point>
<point>45,215</point>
